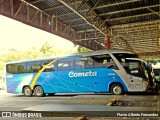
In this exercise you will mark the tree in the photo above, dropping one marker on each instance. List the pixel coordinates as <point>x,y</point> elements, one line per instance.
<point>33,53</point>
<point>46,48</point>
<point>83,49</point>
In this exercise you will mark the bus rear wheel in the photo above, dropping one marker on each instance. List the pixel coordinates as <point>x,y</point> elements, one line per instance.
<point>27,91</point>
<point>38,91</point>
<point>116,89</point>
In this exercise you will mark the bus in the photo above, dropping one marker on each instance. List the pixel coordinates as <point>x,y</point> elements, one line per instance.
<point>102,71</point>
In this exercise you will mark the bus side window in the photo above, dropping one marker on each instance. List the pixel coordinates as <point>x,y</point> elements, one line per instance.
<point>104,61</point>
<point>111,64</point>
<point>100,63</point>
<point>89,63</point>
<point>66,64</point>
<point>51,67</point>
<point>21,68</point>
<point>29,67</point>
<point>16,68</point>
<point>11,68</point>
<point>79,64</point>
<point>34,67</point>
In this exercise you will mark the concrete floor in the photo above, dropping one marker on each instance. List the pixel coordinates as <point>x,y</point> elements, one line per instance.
<point>89,105</point>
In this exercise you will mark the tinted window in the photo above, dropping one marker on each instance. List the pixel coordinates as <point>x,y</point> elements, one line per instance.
<point>89,63</point>
<point>103,61</point>
<point>51,67</point>
<point>16,68</point>
<point>34,66</point>
<point>11,68</point>
<point>121,57</point>
<point>66,64</point>
<point>79,64</point>
<point>21,68</point>
<point>30,67</point>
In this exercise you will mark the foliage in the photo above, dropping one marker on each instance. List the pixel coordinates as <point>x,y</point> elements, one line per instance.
<point>83,49</point>
<point>46,48</point>
<point>16,55</point>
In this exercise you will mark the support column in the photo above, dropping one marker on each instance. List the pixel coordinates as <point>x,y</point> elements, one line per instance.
<point>107,42</point>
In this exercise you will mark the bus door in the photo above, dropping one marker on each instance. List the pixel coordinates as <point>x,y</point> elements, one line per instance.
<point>134,77</point>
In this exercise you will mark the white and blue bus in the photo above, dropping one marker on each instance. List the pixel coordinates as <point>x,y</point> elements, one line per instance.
<point>98,71</point>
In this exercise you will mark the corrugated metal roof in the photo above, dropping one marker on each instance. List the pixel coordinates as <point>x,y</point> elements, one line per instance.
<point>82,27</point>
<point>68,17</point>
<point>99,15</point>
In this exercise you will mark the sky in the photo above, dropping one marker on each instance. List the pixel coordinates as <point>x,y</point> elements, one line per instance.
<point>19,36</point>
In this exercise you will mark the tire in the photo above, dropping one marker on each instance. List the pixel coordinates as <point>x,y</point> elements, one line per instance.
<point>38,91</point>
<point>116,89</point>
<point>27,91</point>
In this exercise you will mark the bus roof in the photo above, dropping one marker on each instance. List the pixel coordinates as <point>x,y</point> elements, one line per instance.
<point>103,51</point>
<point>97,52</point>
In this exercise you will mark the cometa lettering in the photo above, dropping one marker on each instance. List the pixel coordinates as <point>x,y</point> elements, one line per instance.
<point>82,74</point>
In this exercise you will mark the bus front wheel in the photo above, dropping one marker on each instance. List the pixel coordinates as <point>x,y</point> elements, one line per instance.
<point>27,91</point>
<point>116,89</point>
<point>38,91</point>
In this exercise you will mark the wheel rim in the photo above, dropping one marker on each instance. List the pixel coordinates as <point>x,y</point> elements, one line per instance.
<point>117,90</point>
<point>38,92</point>
<point>27,91</point>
